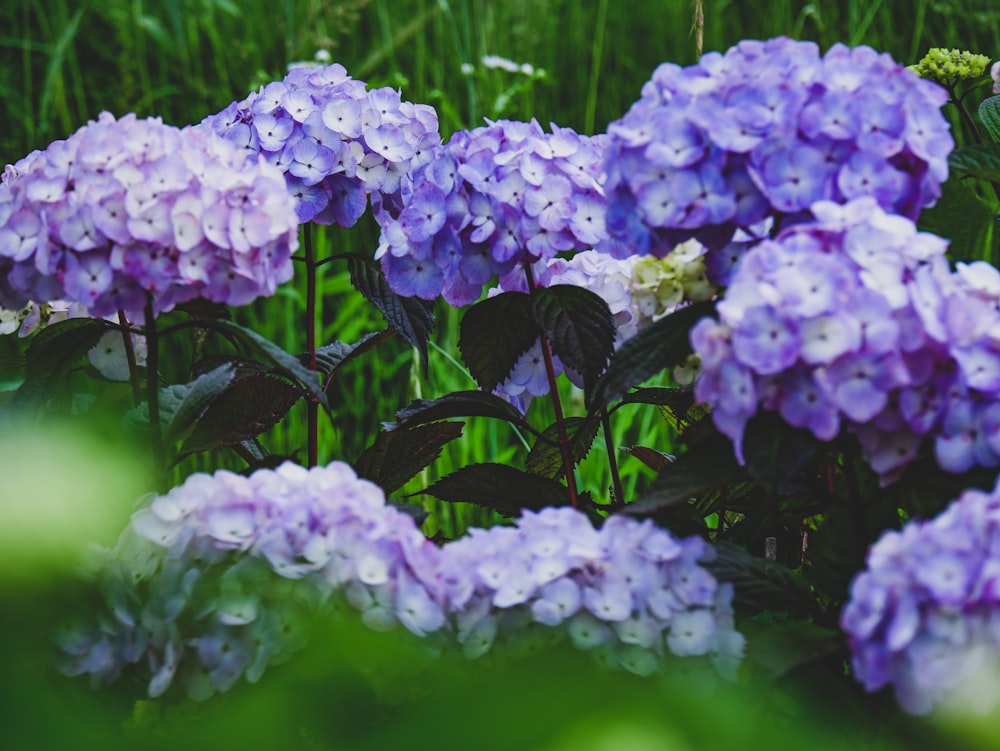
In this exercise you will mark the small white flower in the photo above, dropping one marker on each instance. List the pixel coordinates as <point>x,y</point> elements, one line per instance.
<point>109,357</point>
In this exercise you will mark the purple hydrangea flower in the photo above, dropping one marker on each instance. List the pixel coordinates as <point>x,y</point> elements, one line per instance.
<point>763,132</point>
<point>125,209</point>
<point>923,615</point>
<point>836,323</point>
<point>336,141</point>
<point>209,582</point>
<point>630,590</point>
<point>207,552</point>
<point>492,201</point>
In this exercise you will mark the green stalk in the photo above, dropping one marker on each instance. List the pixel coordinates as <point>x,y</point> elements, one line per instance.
<point>616,480</point>
<point>595,66</point>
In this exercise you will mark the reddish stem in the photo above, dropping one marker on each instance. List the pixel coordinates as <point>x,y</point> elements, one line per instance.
<point>312,406</point>
<point>550,371</point>
<point>153,396</point>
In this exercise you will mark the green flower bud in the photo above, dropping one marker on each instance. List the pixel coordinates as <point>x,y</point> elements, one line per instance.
<point>947,67</point>
<point>661,285</point>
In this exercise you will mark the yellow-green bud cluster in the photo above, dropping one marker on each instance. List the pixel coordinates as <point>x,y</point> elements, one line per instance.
<point>661,285</point>
<point>950,66</point>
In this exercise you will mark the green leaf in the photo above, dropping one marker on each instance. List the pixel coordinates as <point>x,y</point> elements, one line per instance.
<point>398,455</point>
<point>679,399</point>
<point>411,317</point>
<point>242,412</point>
<point>332,356</point>
<point>10,363</point>
<point>182,404</point>
<point>775,452</point>
<point>200,309</point>
<point>545,457</point>
<point>242,366</point>
<point>838,548</point>
<point>924,490</point>
<point>657,461</point>
<point>676,405</point>
<point>705,466</point>
<point>286,364</point>
<point>759,584</point>
<point>782,647</point>
<point>493,334</point>
<point>456,404</point>
<point>989,114</point>
<point>579,326</point>
<point>52,353</point>
<point>660,345</point>
<point>980,160</point>
<point>496,486</point>
<point>963,218</point>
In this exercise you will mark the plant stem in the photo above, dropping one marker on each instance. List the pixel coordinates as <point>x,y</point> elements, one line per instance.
<point>964,114</point>
<point>550,371</point>
<point>699,27</point>
<point>616,480</point>
<point>153,396</point>
<point>312,406</point>
<point>133,368</point>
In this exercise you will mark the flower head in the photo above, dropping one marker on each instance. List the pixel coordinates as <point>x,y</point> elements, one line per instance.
<point>834,323</point>
<point>492,200</point>
<point>203,575</point>
<point>923,615</point>
<point>208,583</point>
<point>128,209</point>
<point>950,66</point>
<point>628,589</point>
<point>763,132</point>
<point>335,140</point>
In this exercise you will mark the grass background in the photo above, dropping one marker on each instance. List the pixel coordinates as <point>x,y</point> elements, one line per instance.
<point>62,62</point>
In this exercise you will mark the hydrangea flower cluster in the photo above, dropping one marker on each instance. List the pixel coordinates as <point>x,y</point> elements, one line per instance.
<point>607,277</point>
<point>128,209</point>
<point>335,140</point>
<point>763,132</point>
<point>822,325</point>
<point>493,200</point>
<point>959,312</point>
<point>947,67</point>
<point>191,586</point>
<point>923,615</point>
<point>192,592</point>
<point>630,590</point>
